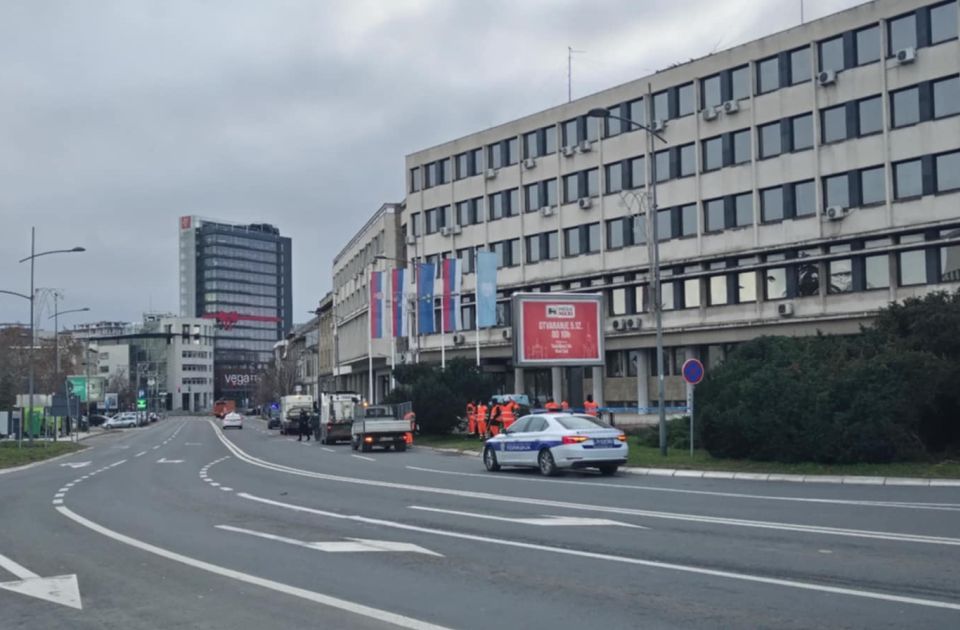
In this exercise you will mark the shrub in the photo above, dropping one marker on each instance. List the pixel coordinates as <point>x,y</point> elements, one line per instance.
<point>439,396</point>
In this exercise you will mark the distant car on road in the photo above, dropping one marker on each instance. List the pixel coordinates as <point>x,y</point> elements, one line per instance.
<point>552,441</point>
<point>232,420</point>
<point>125,420</point>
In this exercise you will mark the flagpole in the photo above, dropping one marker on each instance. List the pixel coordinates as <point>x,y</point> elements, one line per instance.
<point>476,305</point>
<point>370,346</point>
<point>443,313</point>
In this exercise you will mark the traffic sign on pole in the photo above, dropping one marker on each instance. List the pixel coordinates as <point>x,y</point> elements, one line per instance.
<point>692,371</point>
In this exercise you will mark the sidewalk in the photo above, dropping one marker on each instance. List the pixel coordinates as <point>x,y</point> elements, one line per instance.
<point>861,480</point>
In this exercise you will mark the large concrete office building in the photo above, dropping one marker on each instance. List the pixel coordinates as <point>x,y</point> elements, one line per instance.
<point>808,179</point>
<point>377,246</point>
<point>238,275</point>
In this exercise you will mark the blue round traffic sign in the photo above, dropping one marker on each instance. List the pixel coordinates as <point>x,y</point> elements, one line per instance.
<point>692,371</point>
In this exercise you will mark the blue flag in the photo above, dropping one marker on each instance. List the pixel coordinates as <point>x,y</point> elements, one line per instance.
<point>426,272</point>
<point>486,289</point>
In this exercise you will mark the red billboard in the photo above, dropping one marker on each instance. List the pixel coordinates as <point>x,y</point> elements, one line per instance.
<point>558,329</point>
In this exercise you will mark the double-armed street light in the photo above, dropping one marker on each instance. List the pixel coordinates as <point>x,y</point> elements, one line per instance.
<point>653,244</point>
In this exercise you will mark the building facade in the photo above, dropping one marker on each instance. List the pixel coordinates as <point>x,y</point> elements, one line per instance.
<point>92,330</point>
<point>168,358</point>
<point>377,246</point>
<point>807,179</point>
<point>238,275</point>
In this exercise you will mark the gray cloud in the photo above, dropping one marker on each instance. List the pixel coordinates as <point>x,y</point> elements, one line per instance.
<point>117,118</point>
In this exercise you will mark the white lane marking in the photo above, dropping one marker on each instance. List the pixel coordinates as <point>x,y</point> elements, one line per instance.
<point>164,460</point>
<point>58,501</point>
<point>59,495</point>
<point>226,489</point>
<point>140,454</point>
<point>287,589</point>
<point>214,484</point>
<point>809,529</point>
<point>733,495</point>
<point>75,464</point>
<point>746,577</point>
<point>369,459</point>
<point>122,461</point>
<point>354,544</point>
<point>546,521</point>
<point>156,447</point>
<point>329,450</point>
<point>60,589</point>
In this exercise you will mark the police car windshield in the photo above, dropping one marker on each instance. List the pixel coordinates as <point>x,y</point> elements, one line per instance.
<point>580,422</point>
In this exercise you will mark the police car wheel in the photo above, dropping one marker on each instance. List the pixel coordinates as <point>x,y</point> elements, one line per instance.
<point>490,460</point>
<point>548,467</point>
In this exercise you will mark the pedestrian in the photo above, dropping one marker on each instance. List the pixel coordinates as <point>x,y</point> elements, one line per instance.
<point>304,425</point>
<point>496,410</point>
<point>591,407</point>
<point>471,417</point>
<point>508,414</point>
<point>564,405</point>
<point>481,420</point>
<point>551,405</point>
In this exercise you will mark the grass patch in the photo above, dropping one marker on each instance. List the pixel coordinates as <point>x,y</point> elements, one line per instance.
<point>649,457</point>
<point>11,455</point>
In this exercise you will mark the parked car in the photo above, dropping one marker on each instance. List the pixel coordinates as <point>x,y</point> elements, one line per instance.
<point>97,420</point>
<point>125,420</point>
<point>551,441</point>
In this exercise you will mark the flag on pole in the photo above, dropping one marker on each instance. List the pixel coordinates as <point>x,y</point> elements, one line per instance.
<point>451,278</point>
<point>400,288</point>
<point>486,289</point>
<point>426,272</point>
<point>376,304</point>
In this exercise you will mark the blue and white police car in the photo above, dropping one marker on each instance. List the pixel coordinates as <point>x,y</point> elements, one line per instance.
<point>552,441</point>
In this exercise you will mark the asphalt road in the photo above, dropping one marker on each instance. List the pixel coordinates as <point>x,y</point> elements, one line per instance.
<point>180,526</point>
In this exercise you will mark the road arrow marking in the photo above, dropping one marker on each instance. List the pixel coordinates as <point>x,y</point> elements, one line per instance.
<point>352,545</point>
<point>164,460</point>
<point>75,464</point>
<point>546,521</point>
<point>60,589</point>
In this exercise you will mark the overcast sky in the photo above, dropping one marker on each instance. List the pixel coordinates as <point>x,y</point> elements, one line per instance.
<point>117,117</point>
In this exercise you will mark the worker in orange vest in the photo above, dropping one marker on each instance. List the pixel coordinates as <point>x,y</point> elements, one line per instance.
<point>408,436</point>
<point>564,405</point>
<point>551,405</point>
<point>591,407</point>
<point>481,420</point>
<point>471,418</point>
<point>508,414</point>
<point>494,424</point>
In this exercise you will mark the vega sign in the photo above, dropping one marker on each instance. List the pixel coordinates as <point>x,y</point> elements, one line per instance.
<point>553,329</point>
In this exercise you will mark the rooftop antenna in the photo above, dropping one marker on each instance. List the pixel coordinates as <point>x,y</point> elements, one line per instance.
<point>570,52</point>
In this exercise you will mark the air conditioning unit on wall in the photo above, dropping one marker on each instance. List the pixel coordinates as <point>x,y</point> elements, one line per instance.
<point>785,309</point>
<point>709,113</point>
<point>827,77</point>
<point>906,55</point>
<point>585,203</point>
<point>529,163</point>
<point>731,107</point>
<point>507,333</point>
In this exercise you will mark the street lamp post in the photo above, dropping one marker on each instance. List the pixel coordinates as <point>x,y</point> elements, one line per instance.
<point>31,297</point>
<point>653,244</point>
<point>56,342</point>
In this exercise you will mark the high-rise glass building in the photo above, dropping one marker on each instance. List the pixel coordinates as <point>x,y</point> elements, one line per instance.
<point>240,276</point>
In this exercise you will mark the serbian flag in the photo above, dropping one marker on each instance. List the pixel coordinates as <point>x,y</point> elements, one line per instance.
<point>376,304</point>
<point>451,278</point>
<point>426,273</point>
<point>400,288</point>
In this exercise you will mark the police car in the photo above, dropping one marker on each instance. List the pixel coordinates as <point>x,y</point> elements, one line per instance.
<point>551,441</point>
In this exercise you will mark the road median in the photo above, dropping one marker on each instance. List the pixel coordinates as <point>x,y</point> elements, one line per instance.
<point>13,457</point>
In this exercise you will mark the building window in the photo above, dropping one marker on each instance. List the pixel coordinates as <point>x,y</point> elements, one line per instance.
<point>532,246</point>
<point>688,219</point>
<point>571,242</point>
<point>868,45</point>
<point>467,259</point>
<point>638,172</point>
<point>877,267</point>
<point>717,286</point>
<point>712,153</point>
<point>872,186</point>
<point>710,94</point>
<point>614,177</point>
<point>664,224</point>
<point>548,246</point>
<point>950,258</point>
<point>508,252</point>
<point>691,292</point>
<point>943,22</point>
<point>912,264</point>
<point>771,204</point>
<point>661,105</point>
<point>616,233</point>
<point>685,105</point>
<point>946,97</point>
<point>808,275</point>
<point>661,165</point>
<point>802,130</point>
<point>592,180</point>
<point>831,54</point>
<point>869,116</point>
<point>570,134</point>
<point>800,70</point>
<point>468,212</point>
<point>637,112</point>
<point>531,194</point>
<point>746,282</point>
<point>840,272</point>
<point>713,215</point>
<point>415,179</point>
<point>770,140</point>
<point>948,172</point>
<point>775,279</point>
<point>906,107</point>
<point>688,160</point>
<point>531,145</point>
<point>903,33</point>
<point>593,238</point>
<point>805,198</point>
<point>768,75</point>
<point>571,187</point>
<point>836,190</point>
<point>613,126</point>
<point>907,179</point>
<point>618,301</point>
<point>741,146</point>
<point>834,123</point>
<point>743,208</point>
<point>740,82</point>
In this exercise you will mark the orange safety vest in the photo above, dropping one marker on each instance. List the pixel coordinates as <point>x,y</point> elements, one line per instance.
<point>482,413</point>
<point>496,412</point>
<point>507,414</point>
<point>590,407</point>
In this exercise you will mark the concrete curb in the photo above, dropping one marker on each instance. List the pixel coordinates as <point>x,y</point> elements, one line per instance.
<point>848,480</point>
